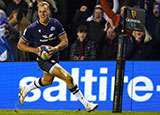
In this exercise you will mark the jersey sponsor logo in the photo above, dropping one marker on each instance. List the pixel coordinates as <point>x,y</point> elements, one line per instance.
<point>47,38</point>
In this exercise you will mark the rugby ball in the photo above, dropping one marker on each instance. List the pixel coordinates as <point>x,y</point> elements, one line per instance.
<point>44,52</point>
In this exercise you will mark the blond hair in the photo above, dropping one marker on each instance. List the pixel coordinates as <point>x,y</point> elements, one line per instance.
<point>43,3</point>
<point>147,37</point>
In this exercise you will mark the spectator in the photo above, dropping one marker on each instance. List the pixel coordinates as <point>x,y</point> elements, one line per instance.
<point>156,43</point>
<point>139,46</point>
<point>5,50</point>
<point>115,9</point>
<point>95,26</point>
<point>108,42</point>
<point>17,15</point>
<point>116,18</point>
<point>153,18</point>
<point>12,36</point>
<point>4,4</point>
<point>83,48</point>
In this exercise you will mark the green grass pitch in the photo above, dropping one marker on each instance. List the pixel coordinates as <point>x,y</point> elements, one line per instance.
<point>70,112</point>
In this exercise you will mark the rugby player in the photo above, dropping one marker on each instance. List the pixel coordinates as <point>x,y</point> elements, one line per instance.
<point>49,31</point>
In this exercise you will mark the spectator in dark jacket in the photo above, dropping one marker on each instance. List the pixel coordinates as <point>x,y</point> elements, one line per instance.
<point>108,42</point>
<point>83,48</point>
<point>156,43</point>
<point>95,26</point>
<point>139,46</point>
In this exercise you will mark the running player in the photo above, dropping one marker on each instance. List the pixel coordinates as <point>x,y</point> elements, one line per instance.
<point>49,31</point>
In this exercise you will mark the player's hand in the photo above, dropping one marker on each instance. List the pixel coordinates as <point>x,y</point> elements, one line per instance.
<point>37,50</point>
<point>52,50</point>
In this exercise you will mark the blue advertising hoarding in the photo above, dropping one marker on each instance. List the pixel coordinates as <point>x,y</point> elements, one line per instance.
<point>95,79</point>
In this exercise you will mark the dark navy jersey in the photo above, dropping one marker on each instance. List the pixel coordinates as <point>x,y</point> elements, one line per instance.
<point>38,34</point>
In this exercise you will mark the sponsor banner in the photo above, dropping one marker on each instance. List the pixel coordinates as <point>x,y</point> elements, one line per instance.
<point>135,19</point>
<point>94,78</point>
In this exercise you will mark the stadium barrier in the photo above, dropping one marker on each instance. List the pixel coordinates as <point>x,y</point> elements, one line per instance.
<point>141,90</point>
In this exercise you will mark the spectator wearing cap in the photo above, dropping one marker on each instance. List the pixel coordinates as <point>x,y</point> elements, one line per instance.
<point>5,50</point>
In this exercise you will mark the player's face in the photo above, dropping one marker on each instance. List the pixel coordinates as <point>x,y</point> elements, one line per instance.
<point>43,13</point>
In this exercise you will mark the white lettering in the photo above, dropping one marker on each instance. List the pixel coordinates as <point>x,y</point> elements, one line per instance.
<point>88,79</point>
<point>132,88</point>
<point>103,88</point>
<point>61,88</point>
<point>112,88</point>
<point>158,88</point>
<point>133,20</point>
<point>93,87</point>
<point>103,85</point>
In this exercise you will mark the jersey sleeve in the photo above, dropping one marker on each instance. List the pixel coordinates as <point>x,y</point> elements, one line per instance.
<point>60,29</point>
<point>27,34</point>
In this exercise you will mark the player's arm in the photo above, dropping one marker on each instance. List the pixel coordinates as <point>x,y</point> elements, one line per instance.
<point>22,45</point>
<point>64,42</point>
<point>62,45</point>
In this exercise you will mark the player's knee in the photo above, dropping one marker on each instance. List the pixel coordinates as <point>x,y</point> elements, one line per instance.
<point>47,82</point>
<point>69,78</point>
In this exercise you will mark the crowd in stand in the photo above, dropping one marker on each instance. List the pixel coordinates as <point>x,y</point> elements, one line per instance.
<point>92,26</point>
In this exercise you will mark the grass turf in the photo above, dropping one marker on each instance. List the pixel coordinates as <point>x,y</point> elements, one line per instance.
<point>71,112</point>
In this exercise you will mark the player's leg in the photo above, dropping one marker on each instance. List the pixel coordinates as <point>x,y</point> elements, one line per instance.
<point>61,73</point>
<point>37,83</point>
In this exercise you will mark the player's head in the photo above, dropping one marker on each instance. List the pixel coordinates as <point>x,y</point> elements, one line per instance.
<point>43,12</point>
